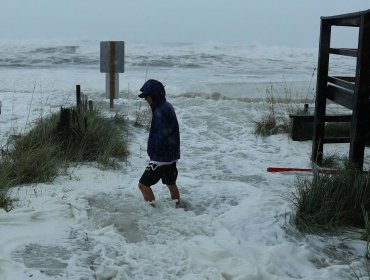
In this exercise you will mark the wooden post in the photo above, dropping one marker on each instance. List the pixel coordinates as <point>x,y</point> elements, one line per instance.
<point>67,116</point>
<point>112,82</point>
<point>305,108</point>
<point>64,121</point>
<point>91,105</point>
<point>85,124</point>
<point>321,85</point>
<point>361,96</point>
<point>84,101</point>
<point>78,96</point>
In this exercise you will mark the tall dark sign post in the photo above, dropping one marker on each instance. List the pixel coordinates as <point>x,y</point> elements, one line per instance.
<point>112,62</point>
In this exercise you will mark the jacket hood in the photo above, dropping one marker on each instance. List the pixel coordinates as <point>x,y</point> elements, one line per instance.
<point>154,89</point>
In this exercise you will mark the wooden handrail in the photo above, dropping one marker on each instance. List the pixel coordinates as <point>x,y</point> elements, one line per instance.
<point>342,82</point>
<point>351,19</point>
<point>345,52</point>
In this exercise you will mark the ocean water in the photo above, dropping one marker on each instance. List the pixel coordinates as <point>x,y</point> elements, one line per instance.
<point>93,224</point>
<point>233,70</point>
<point>40,76</point>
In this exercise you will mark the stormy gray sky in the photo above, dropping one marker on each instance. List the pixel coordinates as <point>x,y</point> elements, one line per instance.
<point>292,23</point>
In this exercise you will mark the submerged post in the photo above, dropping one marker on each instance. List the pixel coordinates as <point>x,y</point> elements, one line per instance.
<point>112,62</point>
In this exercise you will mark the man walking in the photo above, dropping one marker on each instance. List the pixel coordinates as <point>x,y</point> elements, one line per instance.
<point>163,143</point>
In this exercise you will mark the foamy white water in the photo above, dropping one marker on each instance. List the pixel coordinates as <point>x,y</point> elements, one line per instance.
<point>93,224</point>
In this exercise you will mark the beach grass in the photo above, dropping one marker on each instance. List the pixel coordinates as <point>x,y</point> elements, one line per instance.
<point>5,200</point>
<point>329,201</point>
<point>276,119</point>
<point>266,125</point>
<point>102,141</point>
<point>143,116</point>
<point>37,155</point>
<point>279,105</point>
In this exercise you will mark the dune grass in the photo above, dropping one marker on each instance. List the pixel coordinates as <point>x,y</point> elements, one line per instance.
<point>279,104</point>
<point>329,201</point>
<point>5,200</point>
<point>38,155</point>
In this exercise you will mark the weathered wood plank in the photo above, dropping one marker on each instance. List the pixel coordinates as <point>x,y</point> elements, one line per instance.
<point>345,52</point>
<point>342,83</point>
<point>328,118</point>
<point>340,96</point>
<point>336,140</point>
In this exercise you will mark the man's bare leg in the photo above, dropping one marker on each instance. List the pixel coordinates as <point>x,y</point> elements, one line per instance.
<point>147,193</point>
<point>175,194</point>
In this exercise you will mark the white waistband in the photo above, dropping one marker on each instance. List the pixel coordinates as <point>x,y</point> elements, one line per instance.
<point>160,163</point>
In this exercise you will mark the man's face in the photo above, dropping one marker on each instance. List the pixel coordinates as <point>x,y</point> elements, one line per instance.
<point>149,99</point>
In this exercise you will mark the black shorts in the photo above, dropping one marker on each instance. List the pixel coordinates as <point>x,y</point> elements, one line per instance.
<point>153,172</point>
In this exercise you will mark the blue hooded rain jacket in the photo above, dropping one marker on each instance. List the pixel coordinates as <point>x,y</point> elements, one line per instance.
<point>164,134</point>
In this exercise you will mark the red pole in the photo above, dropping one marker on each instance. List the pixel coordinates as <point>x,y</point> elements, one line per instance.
<point>293,169</point>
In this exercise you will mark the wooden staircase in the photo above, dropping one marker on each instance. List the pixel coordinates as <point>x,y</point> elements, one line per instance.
<point>349,92</point>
